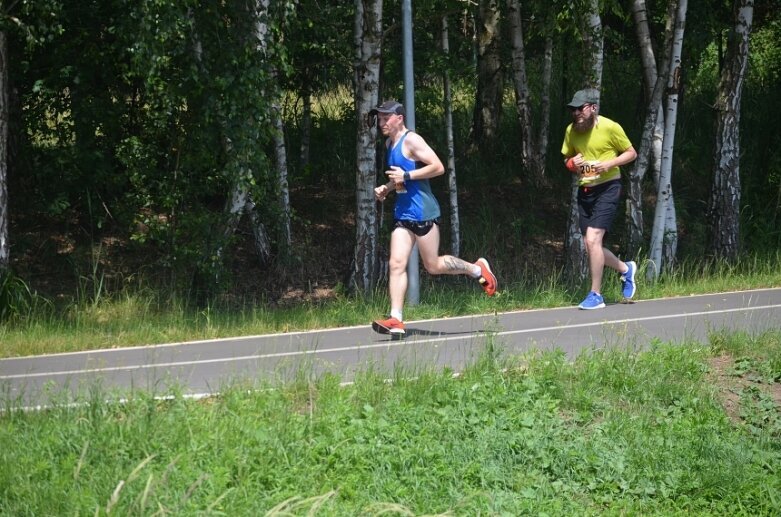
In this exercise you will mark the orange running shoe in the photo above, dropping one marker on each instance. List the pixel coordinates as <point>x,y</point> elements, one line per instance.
<point>390,326</point>
<point>487,279</point>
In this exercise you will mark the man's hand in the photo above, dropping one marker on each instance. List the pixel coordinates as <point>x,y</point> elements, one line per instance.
<point>574,163</point>
<point>395,174</point>
<point>381,192</point>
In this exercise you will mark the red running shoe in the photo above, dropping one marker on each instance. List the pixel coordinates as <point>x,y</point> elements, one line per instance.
<point>390,326</point>
<point>487,279</point>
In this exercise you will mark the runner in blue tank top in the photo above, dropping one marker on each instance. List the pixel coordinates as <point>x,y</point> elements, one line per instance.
<point>411,163</point>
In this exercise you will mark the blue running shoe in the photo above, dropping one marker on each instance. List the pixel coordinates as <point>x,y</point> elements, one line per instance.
<point>628,286</point>
<point>592,301</point>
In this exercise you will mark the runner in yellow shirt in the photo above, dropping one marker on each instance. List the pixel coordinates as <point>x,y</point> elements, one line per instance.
<point>594,148</point>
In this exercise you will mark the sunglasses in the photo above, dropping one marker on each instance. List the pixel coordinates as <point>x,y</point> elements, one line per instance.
<point>579,108</point>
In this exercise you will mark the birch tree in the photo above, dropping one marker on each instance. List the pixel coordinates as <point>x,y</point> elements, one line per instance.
<point>490,80</point>
<point>593,41</point>
<point>650,149</point>
<point>520,81</point>
<point>533,146</point>
<point>664,235</point>
<point>15,16</point>
<point>5,248</point>
<point>724,217</point>
<point>543,133</point>
<point>368,46</point>
<point>283,189</point>
<point>455,225</point>
<point>240,201</point>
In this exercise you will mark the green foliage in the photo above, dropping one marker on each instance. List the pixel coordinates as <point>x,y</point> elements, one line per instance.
<point>157,110</point>
<point>140,118</point>
<point>759,354</point>
<point>16,299</point>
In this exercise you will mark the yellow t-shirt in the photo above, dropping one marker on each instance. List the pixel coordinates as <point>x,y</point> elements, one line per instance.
<point>604,141</point>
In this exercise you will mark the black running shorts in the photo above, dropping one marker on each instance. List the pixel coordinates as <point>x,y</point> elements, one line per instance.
<point>598,205</point>
<point>419,228</point>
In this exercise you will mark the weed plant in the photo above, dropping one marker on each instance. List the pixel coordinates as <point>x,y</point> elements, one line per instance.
<point>613,432</point>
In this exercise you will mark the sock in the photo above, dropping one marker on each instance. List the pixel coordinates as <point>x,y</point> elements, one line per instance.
<point>477,271</point>
<point>396,313</point>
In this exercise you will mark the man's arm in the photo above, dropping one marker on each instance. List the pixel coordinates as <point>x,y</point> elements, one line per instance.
<point>417,149</point>
<point>627,156</point>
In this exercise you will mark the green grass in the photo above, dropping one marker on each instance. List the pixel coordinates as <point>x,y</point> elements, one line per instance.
<point>134,318</point>
<point>611,433</point>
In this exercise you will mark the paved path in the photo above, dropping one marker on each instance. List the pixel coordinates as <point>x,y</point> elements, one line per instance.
<point>203,367</point>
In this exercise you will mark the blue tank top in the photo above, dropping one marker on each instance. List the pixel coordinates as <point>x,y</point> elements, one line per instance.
<point>418,203</point>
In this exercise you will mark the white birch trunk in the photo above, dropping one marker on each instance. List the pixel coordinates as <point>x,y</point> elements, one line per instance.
<point>280,152</point>
<point>455,223</point>
<point>5,247</point>
<point>647,58</point>
<point>725,193</point>
<point>533,146</point>
<point>595,42</point>
<point>640,13</point>
<point>653,129</point>
<point>665,232</point>
<point>240,201</point>
<point>520,80</point>
<point>541,153</point>
<point>368,46</point>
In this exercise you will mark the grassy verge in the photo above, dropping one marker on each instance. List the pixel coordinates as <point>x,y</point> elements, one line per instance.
<point>613,432</point>
<point>141,318</point>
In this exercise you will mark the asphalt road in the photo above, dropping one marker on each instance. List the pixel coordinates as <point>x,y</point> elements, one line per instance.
<point>202,368</point>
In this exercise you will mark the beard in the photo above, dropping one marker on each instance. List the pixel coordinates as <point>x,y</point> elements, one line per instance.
<point>586,124</point>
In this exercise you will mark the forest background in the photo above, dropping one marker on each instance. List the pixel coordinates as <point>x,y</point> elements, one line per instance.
<point>219,151</point>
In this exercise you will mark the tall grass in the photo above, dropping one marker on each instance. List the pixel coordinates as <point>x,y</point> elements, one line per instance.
<point>135,317</point>
<point>613,432</point>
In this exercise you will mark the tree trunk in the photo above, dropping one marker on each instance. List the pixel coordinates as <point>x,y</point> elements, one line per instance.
<point>670,240</point>
<point>240,201</point>
<point>653,129</point>
<point>664,235</point>
<point>306,128</point>
<point>576,261</point>
<point>594,41</point>
<point>575,249</point>
<point>5,247</point>
<point>490,82</point>
<point>634,201</point>
<point>278,138</point>
<point>280,152</point>
<point>541,154</point>
<point>724,214</point>
<point>520,81</point>
<point>640,15</point>
<point>368,46</point>
<point>455,224</point>
<point>533,146</point>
